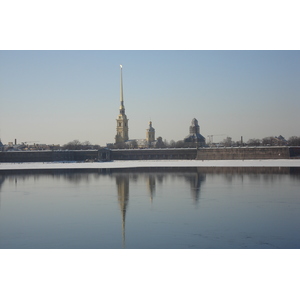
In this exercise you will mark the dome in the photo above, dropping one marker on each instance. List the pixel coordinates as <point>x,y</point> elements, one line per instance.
<point>194,122</point>
<point>150,127</point>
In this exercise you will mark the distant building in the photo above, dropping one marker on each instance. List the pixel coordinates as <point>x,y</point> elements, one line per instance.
<point>148,142</point>
<point>1,146</point>
<point>122,121</point>
<point>150,134</point>
<point>195,139</point>
<point>280,141</point>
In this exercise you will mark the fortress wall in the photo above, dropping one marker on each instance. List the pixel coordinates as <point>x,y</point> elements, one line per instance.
<point>153,154</point>
<point>295,152</point>
<point>243,153</point>
<point>47,156</point>
<point>149,154</point>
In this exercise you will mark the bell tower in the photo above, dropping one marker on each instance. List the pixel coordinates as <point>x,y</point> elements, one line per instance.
<point>122,121</point>
<point>150,133</point>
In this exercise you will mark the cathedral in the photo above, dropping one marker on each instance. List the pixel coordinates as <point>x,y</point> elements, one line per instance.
<point>194,139</point>
<point>122,136</point>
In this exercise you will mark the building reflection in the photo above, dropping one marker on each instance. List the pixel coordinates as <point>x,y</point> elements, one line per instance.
<point>195,181</point>
<point>122,182</point>
<point>151,186</point>
<point>2,178</point>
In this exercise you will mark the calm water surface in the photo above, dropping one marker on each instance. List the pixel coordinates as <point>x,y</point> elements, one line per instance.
<point>162,209</point>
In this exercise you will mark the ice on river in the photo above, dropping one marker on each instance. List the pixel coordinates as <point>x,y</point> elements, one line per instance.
<point>151,163</point>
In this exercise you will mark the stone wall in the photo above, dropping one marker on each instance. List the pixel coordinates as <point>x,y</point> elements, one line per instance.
<point>153,154</point>
<point>149,154</point>
<point>48,156</point>
<point>243,153</point>
<point>295,152</point>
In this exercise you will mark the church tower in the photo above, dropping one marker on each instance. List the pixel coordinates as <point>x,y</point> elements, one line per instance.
<point>195,139</point>
<point>122,121</point>
<point>150,133</point>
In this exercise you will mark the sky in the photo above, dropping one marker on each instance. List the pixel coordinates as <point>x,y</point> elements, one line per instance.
<point>55,97</point>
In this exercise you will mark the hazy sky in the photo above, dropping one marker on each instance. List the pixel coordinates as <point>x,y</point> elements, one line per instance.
<point>55,97</point>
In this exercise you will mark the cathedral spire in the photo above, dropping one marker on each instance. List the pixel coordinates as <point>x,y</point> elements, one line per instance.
<point>122,108</point>
<point>122,121</point>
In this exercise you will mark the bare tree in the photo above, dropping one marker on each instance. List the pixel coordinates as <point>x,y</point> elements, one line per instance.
<point>294,141</point>
<point>74,145</point>
<point>227,142</point>
<point>172,144</point>
<point>179,144</point>
<point>86,145</point>
<point>269,141</point>
<point>254,142</point>
<point>77,145</point>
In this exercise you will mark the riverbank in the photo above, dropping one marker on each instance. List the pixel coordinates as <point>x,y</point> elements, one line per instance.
<point>150,163</point>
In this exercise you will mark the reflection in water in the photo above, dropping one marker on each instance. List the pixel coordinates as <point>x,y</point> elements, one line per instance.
<point>212,183</point>
<point>2,178</point>
<point>151,186</point>
<point>1,182</point>
<point>195,181</point>
<point>122,182</point>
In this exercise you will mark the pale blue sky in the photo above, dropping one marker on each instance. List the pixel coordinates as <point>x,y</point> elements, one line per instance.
<point>58,96</point>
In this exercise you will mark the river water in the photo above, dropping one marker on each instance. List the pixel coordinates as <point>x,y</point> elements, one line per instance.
<point>153,208</point>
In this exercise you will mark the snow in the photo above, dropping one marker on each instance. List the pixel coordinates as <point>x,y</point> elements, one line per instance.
<point>151,163</point>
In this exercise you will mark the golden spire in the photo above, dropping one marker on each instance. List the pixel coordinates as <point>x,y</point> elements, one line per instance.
<point>122,108</point>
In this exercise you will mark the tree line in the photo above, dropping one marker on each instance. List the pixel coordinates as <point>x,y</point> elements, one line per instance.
<point>160,143</point>
<point>275,141</point>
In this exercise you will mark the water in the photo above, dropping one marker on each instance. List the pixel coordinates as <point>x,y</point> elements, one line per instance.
<point>188,208</point>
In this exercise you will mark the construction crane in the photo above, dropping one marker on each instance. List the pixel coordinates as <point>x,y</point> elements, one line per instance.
<point>211,137</point>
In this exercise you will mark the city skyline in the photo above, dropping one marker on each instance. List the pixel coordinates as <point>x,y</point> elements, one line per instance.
<point>54,97</point>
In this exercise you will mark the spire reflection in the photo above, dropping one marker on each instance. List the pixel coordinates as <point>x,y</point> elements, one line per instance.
<point>151,186</point>
<point>122,182</point>
<point>2,178</point>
